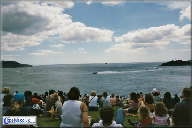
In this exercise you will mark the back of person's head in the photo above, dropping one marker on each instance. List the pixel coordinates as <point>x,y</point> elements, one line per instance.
<point>105,94</point>
<point>112,95</point>
<point>27,93</point>
<point>149,99</point>
<point>167,95</point>
<point>143,113</point>
<point>51,92</point>
<point>134,97</point>
<point>93,93</point>
<point>6,90</point>
<point>74,93</point>
<point>106,114</point>
<point>160,109</point>
<point>187,93</point>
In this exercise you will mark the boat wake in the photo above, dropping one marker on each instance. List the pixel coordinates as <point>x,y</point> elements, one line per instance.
<point>124,72</point>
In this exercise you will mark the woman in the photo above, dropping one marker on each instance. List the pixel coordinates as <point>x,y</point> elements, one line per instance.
<point>161,117</point>
<point>74,112</point>
<point>149,102</point>
<point>133,103</point>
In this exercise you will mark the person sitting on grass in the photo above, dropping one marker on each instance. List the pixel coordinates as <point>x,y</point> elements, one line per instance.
<point>133,103</point>
<point>148,102</point>
<point>161,117</point>
<point>106,114</point>
<point>74,112</point>
<point>144,118</point>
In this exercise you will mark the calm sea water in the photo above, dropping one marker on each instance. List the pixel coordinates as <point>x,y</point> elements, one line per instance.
<point>114,78</point>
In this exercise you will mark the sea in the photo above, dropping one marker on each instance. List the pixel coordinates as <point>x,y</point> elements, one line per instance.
<point>118,78</point>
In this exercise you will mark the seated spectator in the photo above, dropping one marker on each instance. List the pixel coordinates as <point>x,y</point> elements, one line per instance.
<point>156,95</point>
<point>106,114</point>
<point>28,98</point>
<point>16,109</point>
<point>133,103</point>
<point>93,100</point>
<point>176,99</point>
<point>74,112</point>
<point>182,115</point>
<point>19,97</point>
<point>148,102</point>
<point>144,118</point>
<point>120,116</point>
<point>168,101</point>
<point>161,117</point>
<point>7,99</point>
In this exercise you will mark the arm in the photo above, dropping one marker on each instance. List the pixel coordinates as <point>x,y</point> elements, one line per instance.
<point>84,115</point>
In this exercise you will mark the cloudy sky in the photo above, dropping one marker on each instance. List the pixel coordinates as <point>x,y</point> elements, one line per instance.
<point>88,31</point>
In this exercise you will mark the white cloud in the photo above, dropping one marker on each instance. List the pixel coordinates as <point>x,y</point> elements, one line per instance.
<point>156,37</point>
<point>105,2</point>
<point>57,45</point>
<point>81,51</point>
<point>185,13</point>
<point>30,23</point>
<point>44,52</point>
<point>183,6</point>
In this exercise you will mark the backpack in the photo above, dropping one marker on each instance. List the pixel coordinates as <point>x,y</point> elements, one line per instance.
<point>119,116</point>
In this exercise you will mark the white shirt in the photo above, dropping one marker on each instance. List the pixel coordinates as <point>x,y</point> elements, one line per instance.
<point>100,124</point>
<point>71,114</point>
<point>93,101</point>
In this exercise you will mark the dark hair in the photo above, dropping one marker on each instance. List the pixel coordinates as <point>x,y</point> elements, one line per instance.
<point>187,93</point>
<point>105,94</point>
<point>133,96</point>
<point>106,114</point>
<point>149,99</point>
<point>160,109</point>
<point>74,93</point>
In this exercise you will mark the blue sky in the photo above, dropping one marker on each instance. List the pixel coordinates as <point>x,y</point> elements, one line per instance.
<point>95,32</point>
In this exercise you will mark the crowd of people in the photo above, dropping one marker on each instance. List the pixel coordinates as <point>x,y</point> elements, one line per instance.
<point>72,108</point>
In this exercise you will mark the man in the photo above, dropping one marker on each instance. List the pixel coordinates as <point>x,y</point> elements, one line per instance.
<point>182,115</point>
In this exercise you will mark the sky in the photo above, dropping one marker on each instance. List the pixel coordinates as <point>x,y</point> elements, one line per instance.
<point>88,31</point>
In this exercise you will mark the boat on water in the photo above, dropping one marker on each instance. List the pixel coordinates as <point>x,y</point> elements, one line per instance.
<point>94,72</point>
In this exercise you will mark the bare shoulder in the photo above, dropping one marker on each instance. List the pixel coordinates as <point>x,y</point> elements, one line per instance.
<point>84,107</point>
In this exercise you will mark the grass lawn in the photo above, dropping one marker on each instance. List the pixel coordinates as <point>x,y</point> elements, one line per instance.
<point>49,122</point>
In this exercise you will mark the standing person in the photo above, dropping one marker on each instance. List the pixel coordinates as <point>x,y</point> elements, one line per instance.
<point>106,99</point>
<point>93,101</point>
<point>182,115</point>
<point>113,100</point>
<point>74,112</point>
